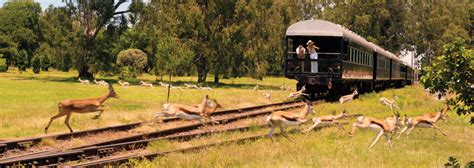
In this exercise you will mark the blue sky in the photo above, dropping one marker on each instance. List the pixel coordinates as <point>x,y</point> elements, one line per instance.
<point>45,3</point>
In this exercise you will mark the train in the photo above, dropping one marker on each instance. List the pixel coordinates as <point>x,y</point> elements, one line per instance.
<point>345,61</point>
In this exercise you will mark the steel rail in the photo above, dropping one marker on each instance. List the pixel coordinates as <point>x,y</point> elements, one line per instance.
<point>22,144</point>
<point>83,151</point>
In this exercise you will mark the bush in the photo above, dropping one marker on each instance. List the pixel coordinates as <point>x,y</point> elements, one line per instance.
<point>45,63</point>
<point>131,62</point>
<point>3,65</point>
<point>36,64</point>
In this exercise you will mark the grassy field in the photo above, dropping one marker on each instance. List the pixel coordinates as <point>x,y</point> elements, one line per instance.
<point>331,147</point>
<point>28,100</point>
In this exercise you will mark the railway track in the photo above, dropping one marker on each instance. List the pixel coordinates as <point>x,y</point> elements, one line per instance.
<point>137,141</point>
<point>22,144</point>
<point>123,160</point>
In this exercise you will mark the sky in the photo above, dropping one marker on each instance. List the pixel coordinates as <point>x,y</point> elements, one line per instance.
<point>45,3</point>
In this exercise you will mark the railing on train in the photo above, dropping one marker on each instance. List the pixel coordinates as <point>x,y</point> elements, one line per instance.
<point>328,63</point>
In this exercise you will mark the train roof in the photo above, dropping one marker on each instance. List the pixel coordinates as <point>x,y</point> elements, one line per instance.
<point>326,28</point>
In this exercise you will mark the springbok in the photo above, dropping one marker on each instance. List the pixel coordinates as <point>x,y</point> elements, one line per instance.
<point>163,84</point>
<point>101,83</point>
<point>388,102</point>
<point>423,121</point>
<point>176,87</point>
<point>68,106</point>
<point>145,84</point>
<point>185,112</point>
<point>282,119</point>
<point>190,86</point>
<point>327,119</point>
<point>285,87</point>
<point>268,95</point>
<point>123,84</point>
<point>348,97</point>
<point>444,115</point>
<point>298,93</point>
<point>84,82</point>
<point>205,88</point>
<point>255,88</point>
<point>389,125</point>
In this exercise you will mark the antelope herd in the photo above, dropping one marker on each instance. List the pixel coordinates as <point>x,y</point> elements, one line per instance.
<point>281,119</point>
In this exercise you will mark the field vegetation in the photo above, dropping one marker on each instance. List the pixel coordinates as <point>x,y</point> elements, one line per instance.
<point>28,100</point>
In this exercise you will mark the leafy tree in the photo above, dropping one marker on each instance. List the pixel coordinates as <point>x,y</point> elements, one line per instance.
<point>21,60</point>
<point>42,54</point>
<point>132,62</point>
<point>3,64</point>
<point>93,16</point>
<point>172,57</point>
<point>452,72</point>
<point>8,50</point>
<point>36,64</point>
<point>19,20</point>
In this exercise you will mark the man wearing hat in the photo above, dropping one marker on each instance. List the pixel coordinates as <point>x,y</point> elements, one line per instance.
<point>313,55</point>
<point>300,52</point>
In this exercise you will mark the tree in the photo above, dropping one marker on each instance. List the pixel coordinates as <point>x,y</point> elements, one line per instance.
<point>132,62</point>
<point>452,72</point>
<point>93,16</point>
<point>36,64</point>
<point>8,50</point>
<point>172,57</point>
<point>21,60</point>
<point>19,22</point>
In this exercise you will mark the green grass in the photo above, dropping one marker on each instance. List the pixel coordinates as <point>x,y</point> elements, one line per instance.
<point>331,147</point>
<point>28,100</point>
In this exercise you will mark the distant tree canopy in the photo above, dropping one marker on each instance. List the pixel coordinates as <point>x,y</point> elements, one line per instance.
<point>222,38</point>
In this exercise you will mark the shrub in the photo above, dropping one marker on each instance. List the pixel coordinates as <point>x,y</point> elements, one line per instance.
<point>3,65</point>
<point>36,64</point>
<point>132,61</point>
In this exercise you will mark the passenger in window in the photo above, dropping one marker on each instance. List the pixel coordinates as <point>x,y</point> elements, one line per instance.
<point>300,52</point>
<point>313,55</point>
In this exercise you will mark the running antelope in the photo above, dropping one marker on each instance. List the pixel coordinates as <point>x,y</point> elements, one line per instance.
<point>190,86</point>
<point>348,97</point>
<point>163,84</point>
<point>255,88</point>
<point>186,112</point>
<point>205,88</point>
<point>268,95</point>
<point>298,93</point>
<point>101,83</point>
<point>282,119</point>
<point>389,125</point>
<point>145,84</point>
<point>444,116</point>
<point>68,106</point>
<point>123,84</point>
<point>423,121</point>
<point>84,82</point>
<point>327,119</point>
<point>388,102</point>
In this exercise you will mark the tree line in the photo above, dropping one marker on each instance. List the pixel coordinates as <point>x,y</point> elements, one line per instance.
<point>199,37</point>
